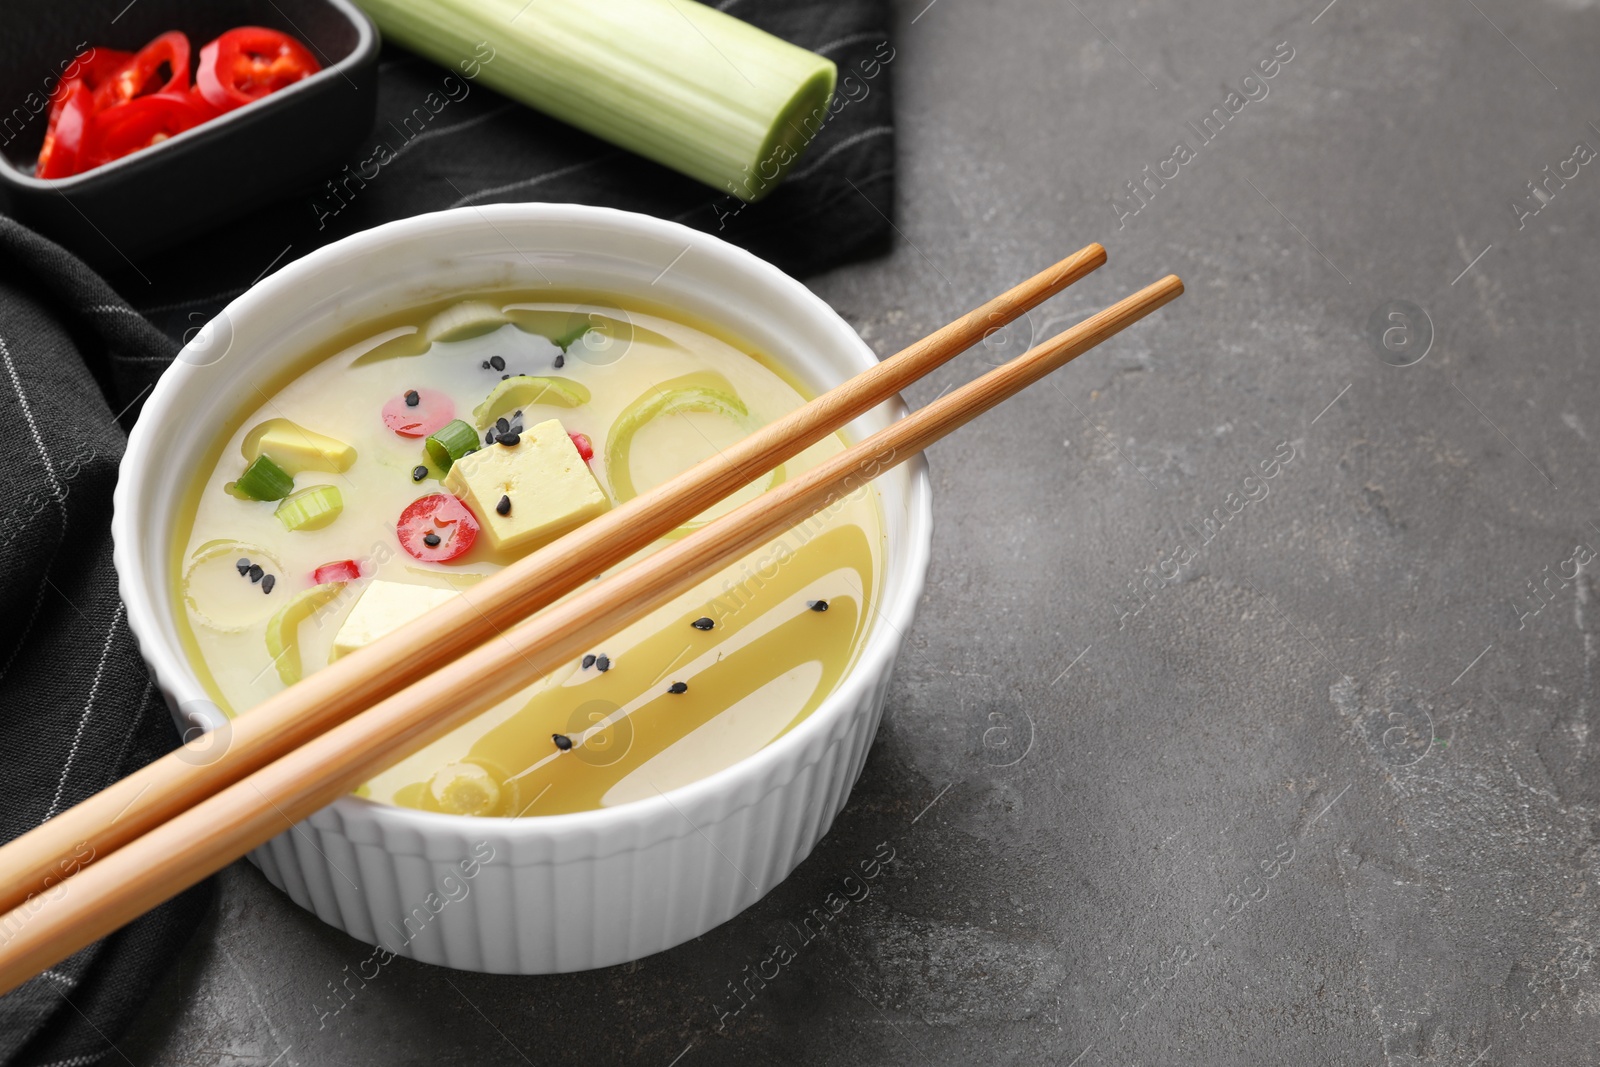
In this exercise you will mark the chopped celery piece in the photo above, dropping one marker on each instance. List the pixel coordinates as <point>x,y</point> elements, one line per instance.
<point>466,319</point>
<point>311,508</point>
<point>692,392</point>
<point>450,442</point>
<point>296,449</point>
<point>673,80</point>
<point>525,391</point>
<point>283,629</point>
<point>263,480</point>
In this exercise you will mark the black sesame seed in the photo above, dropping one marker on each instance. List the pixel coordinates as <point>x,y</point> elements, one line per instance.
<point>704,622</point>
<point>503,425</point>
<point>602,663</point>
<point>678,687</point>
<point>503,377</point>
<point>817,605</point>
<point>510,440</point>
<point>243,565</point>
<point>561,361</point>
<point>430,539</point>
<point>517,413</point>
<point>413,398</point>
<point>267,582</point>
<point>497,362</point>
<point>563,742</point>
<point>255,572</point>
<point>485,364</point>
<point>504,507</point>
<point>418,473</point>
<point>489,437</point>
<point>588,661</point>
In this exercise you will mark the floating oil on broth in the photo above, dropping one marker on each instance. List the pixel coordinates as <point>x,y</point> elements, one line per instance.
<point>274,588</point>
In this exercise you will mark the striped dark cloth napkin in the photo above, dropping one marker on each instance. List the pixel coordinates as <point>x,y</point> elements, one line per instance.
<point>78,354</point>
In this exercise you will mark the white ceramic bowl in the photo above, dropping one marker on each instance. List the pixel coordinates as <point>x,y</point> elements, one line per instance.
<point>564,892</point>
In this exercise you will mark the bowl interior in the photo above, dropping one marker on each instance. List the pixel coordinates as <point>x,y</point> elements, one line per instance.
<point>42,37</point>
<point>393,268</point>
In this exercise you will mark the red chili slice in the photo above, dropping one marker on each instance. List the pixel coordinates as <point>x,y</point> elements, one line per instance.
<point>94,67</point>
<point>67,142</point>
<point>141,75</point>
<point>344,570</point>
<point>249,62</point>
<point>432,410</point>
<point>142,122</point>
<point>584,446</point>
<point>201,103</point>
<point>446,518</point>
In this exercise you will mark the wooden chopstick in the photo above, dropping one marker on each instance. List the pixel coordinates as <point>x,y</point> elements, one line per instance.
<point>199,841</point>
<point>98,826</point>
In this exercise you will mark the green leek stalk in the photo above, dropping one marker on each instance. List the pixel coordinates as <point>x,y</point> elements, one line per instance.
<point>701,391</point>
<point>525,391</point>
<point>673,80</point>
<point>283,629</point>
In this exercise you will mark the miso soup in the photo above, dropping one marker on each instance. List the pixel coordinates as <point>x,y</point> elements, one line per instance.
<point>383,477</point>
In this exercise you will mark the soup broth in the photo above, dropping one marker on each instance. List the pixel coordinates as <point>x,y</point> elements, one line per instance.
<point>388,475</point>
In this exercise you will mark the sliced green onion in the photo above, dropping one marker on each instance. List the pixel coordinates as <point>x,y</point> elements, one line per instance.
<point>450,442</point>
<point>263,480</point>
<point>311,508</point>
<point>673,80</point>
<point>692,392</point>
<point>283,629</point>
<point>466,319</point>
<point>525,391</point>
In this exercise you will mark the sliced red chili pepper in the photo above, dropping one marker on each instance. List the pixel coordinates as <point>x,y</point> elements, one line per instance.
<point>198,99</point>
<point>142,122</point>
<point>162,66</point>
<point>442,519</point>
<point>584,446</point>
<point>93,68</point>
<point>67,142</point>
<point>344,570</point>
<point>249,62</point>
<point>432,410</point>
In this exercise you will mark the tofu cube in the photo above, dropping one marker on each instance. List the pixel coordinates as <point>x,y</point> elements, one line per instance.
<point>549,486</point>
<point>296,449</point>
<point>382,608</point>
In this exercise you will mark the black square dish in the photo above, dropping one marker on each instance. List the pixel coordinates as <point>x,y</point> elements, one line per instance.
<point>131,207</point>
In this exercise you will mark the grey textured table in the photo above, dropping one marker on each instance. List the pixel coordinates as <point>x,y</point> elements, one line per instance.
<point>1313,784</point>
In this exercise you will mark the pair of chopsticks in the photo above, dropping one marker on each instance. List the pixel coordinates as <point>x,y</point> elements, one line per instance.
<point>116,855</point>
